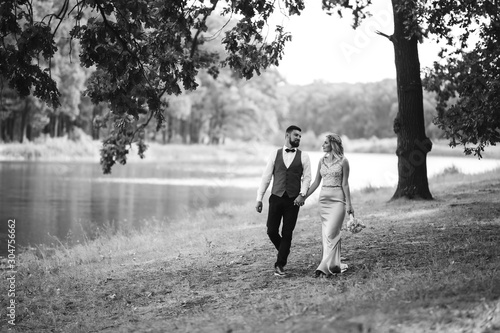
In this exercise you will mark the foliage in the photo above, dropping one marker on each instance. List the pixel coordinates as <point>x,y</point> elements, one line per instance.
<point>467,80</point>
<point>63,68</point>
<point>358,9</point>
<point>141,49</point>
<point>25,40</point>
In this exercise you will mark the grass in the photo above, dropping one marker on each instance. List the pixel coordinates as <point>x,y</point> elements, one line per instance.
<point>419,266</point>
<point>85,149</point>
<point>51,149</point>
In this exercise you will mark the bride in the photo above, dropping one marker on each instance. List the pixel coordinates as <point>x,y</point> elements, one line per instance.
<point>334,201</point>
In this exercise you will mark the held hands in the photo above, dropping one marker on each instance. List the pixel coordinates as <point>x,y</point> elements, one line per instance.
<point>299,201</point>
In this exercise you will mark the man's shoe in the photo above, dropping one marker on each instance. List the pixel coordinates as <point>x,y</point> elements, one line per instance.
<point>279,271</point>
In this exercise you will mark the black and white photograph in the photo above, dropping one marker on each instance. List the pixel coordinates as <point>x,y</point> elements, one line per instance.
<point>267,166</point>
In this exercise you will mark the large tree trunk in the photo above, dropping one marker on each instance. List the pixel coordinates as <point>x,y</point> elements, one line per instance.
<point>412,143</point>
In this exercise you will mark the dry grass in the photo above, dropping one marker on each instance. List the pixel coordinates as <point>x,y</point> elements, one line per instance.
<point>419,266</point>
<point>52,149</point>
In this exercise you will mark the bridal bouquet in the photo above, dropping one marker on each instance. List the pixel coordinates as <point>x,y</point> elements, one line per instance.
<point>354,225</point>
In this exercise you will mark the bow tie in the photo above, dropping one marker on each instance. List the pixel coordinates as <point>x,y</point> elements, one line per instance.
<point>290,150</point>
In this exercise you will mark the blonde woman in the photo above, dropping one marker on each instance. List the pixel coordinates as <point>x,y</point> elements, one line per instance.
<point>334,201</point>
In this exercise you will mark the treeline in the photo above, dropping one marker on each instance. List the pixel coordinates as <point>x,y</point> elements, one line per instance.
<point>360,110</point>
<point>226,107</point>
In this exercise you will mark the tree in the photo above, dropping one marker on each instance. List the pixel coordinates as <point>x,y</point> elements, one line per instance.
<point>10,106</point>
<point>472,77</point>
<point>34,117</point>
<point>467,79</point>
<point>141,49</point>
<point>70,78</point>
<point>412,142</point>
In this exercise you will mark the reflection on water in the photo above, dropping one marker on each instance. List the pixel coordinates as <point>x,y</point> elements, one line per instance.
<point>240,182</point>
<point>57,199</point>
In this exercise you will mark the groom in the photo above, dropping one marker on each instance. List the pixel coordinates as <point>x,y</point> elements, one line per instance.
<point>290,169</point>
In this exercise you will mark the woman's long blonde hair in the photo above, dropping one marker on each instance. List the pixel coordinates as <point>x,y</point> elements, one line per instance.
<point>336,144</point>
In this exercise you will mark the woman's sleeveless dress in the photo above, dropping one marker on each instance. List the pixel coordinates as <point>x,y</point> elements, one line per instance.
<point>332,212</point>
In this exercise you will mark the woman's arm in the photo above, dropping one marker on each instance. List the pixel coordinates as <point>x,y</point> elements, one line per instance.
<point>316,182</point>
<point>345,186</point>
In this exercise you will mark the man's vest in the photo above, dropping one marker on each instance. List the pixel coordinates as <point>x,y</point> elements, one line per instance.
<point>287,180</point>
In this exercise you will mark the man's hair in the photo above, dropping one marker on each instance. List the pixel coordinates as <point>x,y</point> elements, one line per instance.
<point>290,129</point>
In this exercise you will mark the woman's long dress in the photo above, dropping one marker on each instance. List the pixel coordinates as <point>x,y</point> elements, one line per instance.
<point>332,212</point>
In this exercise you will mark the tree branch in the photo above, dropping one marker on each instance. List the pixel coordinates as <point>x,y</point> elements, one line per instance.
<point>77,5</point>
<point>60,16</point>
<point>391,38</point>
<point>29,6</point>
<point>196,36</point>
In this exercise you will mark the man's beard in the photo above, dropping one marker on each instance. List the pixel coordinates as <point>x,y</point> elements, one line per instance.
<point>294,144</point>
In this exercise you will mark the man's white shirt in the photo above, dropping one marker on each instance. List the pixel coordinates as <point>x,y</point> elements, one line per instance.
<point>287,159</point>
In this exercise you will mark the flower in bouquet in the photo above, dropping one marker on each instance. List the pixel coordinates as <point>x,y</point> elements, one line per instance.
<point>354,224</point>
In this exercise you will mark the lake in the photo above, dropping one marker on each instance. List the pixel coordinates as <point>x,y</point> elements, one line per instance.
<point>65,201</point>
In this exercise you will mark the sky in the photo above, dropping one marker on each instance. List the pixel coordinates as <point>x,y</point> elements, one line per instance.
<point>326,48</point>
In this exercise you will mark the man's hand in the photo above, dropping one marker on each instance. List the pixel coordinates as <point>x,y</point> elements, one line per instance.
<point>299,201</point>
<point>258,207</point>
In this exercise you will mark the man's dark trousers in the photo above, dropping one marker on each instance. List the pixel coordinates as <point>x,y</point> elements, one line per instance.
<point>281,207</point>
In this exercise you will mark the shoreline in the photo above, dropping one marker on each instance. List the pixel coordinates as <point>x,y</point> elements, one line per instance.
<point>418,266</point>
<point>87,150</point>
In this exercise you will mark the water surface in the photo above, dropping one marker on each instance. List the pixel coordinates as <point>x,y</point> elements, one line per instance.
<point>65,201</point>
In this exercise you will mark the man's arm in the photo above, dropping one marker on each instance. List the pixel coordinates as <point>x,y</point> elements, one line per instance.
<point>306,179</point>
<point>265,181</point>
